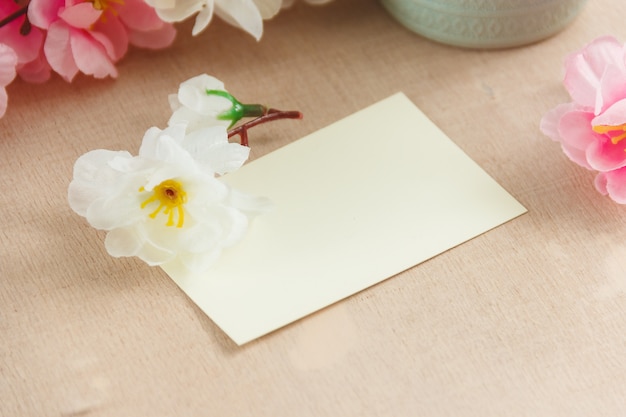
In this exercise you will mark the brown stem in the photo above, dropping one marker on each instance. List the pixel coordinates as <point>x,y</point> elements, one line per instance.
<point>13,16</point>
<point>272,114</point>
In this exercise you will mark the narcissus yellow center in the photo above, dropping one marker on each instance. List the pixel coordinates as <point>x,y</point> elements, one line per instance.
<point>171,197</point>
<point>612,130</point>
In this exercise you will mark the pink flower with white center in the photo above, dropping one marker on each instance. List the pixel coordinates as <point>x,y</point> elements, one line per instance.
<point>91,36</point>
<point>591,129</point>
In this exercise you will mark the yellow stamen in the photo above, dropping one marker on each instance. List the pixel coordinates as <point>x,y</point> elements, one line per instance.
<point>170,195</point>
<point>604,129</point>
<point>105,5</point>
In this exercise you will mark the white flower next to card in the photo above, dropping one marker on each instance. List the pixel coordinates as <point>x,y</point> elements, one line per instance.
<point>166,204</point>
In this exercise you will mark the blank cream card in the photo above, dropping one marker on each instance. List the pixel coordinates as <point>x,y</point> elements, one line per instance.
<point>354,204</point>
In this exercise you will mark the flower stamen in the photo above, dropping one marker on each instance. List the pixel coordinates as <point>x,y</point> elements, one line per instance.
<point>607,129</point>
<point>105,5</point>
<point>171,197</point>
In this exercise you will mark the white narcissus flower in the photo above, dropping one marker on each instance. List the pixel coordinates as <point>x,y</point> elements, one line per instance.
<point>193,106</point>
<point>166,204</point>
<point>246,14</point>
<point>203,101</point>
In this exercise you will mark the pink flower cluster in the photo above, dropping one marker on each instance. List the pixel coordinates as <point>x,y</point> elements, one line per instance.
<point>72,36</point>
<point>592,127</point>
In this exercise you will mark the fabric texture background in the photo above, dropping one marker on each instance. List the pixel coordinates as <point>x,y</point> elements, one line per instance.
<point>528,319</point>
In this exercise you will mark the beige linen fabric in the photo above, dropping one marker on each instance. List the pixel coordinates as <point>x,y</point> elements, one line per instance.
<point>526,320</point>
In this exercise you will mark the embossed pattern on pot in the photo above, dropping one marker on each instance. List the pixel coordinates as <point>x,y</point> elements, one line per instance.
<point>485,23</point>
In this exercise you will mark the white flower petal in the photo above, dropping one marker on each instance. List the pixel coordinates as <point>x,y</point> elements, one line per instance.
<point>163,4</point>
<point>93,178</point>
<point>109,189</point>
<point>268,8</point>
<point>249,204</point>
<point>183,115</point>
<point>203,194</point>
<point>176,132</point>
<point>211,147</point>
<point>81,195</point>
<point>123,242</point>
<point>229,224</point>
<point>194,107</point>
<point>153,255</point>
<point>203,19</point>
<point>237,226</point>
<point>197,99</point>
<point>202,237</point>
<point>241,13</point>
<point>119,210</point>
<point>93,166</point>
<point>149,143</point>
<point>178,10</point>
<point>167,147</point>
<point>195,120</point>
<point>174,103</point>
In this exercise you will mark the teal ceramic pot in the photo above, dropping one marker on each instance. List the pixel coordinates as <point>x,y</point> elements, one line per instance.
<point>484,23</point>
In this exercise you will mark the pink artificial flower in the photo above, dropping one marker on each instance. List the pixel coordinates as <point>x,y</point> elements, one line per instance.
<point>613,184</point>
<point>91,36</point>
<point>26,41</point>
<point>8,62</point>
<point>592,128</point>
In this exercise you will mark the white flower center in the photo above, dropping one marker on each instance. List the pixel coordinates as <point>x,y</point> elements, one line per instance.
<point>171,197</point>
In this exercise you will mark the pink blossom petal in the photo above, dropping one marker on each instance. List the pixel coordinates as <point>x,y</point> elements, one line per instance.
<point>577,156</point>
<point>575,129</point>
<point>113,37</point>
<point>42,13</point>
<point>613,116</point>
<point>600,183</point>
<point>91,57</point>
<point>603,155</point>
<point>81,16</point>
<point>549,125</point>
<point>36,71</point>
<point>58,52</point>
<point>615,185</point>
<point>139,16</point>
<point>611,89</point>
<point>26,47</point>
<point>3,101</point>
<point>576,135</point>
<point>8,61</point>
<point>584,69</point>
<point>155,39</point>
